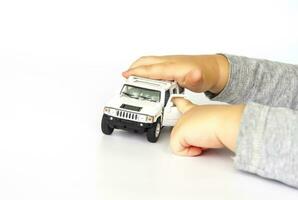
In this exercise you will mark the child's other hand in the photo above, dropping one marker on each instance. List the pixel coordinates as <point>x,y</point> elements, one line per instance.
<point>205,126</point>
<point>198,73</point>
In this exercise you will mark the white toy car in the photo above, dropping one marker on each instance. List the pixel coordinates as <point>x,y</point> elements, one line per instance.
<point>143,105</point>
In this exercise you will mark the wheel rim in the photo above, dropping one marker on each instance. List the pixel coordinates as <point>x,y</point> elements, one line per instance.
<point>157,130</point>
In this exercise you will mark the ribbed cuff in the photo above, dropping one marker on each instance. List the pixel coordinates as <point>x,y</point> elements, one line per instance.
<point>234,89</point>
<point>251,138</point>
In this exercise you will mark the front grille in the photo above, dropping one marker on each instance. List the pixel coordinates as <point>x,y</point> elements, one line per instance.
<point>126,115</point>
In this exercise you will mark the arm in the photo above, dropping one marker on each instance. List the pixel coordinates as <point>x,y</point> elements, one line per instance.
<point>265,139</point>
<point>264,133</point>
<point>267,143</point>
<point>262,81</point>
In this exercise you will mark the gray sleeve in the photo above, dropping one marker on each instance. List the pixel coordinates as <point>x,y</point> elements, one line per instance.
<point>268,143</point>
<point>261,81</point>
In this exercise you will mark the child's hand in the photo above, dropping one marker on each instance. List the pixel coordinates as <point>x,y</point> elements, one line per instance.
<point>205,126</point>
<point>197,73</point>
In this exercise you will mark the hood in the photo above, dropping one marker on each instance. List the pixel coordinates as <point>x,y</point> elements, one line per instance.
<point>146,107</point>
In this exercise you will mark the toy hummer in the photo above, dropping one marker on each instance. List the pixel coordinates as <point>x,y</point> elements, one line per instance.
<point>143,105</point>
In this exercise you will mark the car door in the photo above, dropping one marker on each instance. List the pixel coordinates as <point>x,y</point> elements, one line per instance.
<point>171,114</point>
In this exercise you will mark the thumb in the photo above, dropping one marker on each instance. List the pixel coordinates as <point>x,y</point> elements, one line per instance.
<point>193,81</point>
<point>182,104</point>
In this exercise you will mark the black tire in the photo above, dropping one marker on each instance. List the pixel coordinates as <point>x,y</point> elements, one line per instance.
<point>154,132</point>
<point>105,128</point>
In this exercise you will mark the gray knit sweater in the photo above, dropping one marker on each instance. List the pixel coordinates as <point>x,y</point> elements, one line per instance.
<point>267,144</point>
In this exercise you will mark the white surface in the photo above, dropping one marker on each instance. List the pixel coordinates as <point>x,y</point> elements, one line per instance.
<point>60,61</point>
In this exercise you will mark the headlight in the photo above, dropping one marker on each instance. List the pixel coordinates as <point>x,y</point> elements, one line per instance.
<point>106,110</point>
<point>146,118</point>
<point>150,119</point>
<point>110,111</point>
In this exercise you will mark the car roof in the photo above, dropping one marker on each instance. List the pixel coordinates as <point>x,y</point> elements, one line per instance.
<point>150,83</point>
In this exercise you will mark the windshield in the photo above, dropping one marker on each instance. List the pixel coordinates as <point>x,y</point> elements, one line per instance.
<point>141,93</point>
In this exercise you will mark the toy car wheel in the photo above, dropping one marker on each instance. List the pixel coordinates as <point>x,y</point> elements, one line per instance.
<point>106,129</point>
<point>154,132</point>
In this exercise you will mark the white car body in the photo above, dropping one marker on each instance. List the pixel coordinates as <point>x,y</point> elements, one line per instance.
<point>142,105</point>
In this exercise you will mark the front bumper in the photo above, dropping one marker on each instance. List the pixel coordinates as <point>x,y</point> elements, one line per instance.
<point>118,123</point>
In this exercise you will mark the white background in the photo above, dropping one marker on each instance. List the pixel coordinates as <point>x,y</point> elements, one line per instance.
<point>61,60</point>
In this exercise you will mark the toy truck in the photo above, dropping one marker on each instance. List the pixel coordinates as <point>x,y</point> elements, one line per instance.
<point>143,105</point>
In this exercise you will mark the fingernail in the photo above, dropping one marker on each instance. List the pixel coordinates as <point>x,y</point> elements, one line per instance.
<point>125,73</point>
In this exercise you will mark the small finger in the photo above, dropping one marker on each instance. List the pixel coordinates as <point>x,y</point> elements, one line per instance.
<point>161,71</point>
<point>182,104</point>
<point>190,151</point>
<point>180,147</point>
<point>145,60</point>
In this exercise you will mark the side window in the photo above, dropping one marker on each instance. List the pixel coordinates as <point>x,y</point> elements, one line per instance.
<point>167,95</point>
<point>181,89</point>
<point>175,91</point>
